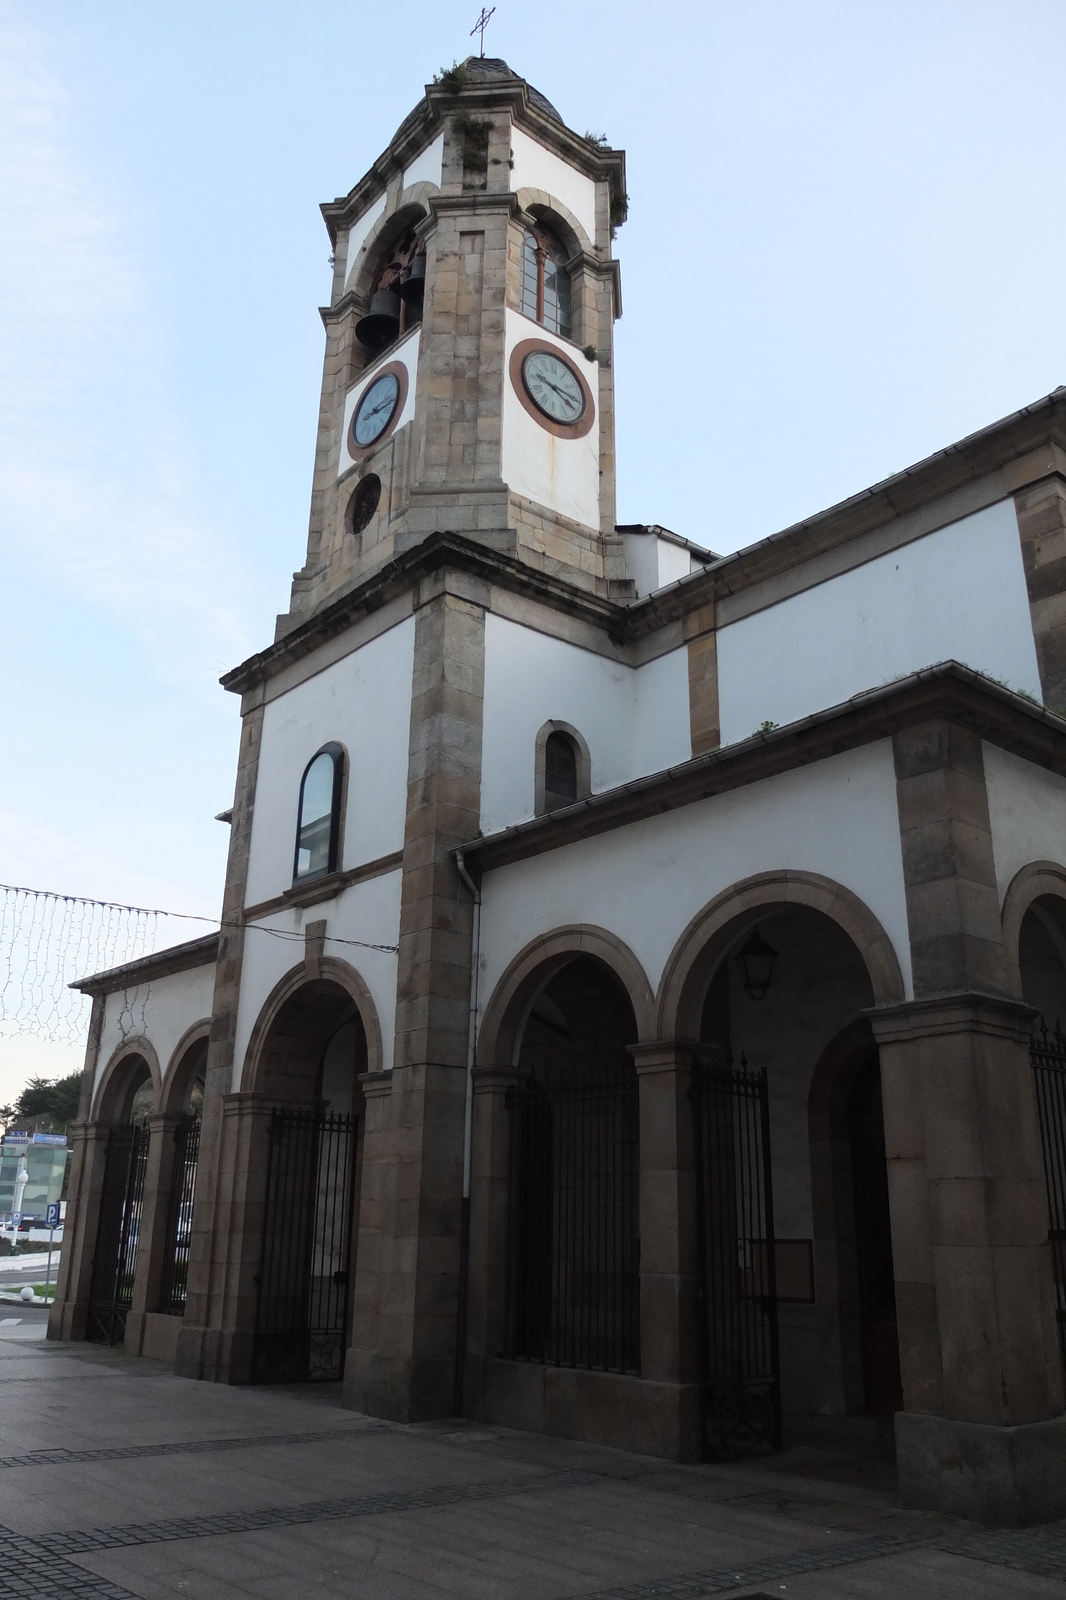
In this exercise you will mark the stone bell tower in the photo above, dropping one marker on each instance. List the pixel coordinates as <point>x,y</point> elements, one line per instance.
<point>480,238</point>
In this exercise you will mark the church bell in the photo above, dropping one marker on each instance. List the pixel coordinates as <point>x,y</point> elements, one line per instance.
<point>381,325</point>
<point>413,286</point>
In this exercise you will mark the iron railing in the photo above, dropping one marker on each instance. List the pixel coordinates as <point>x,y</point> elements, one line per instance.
<point>179,1217</point>
<point>1047,1054</point>
<point>115,1255</point>
<point>302,1284</point>
<point>741,1389</point>
<point>573,1291</point>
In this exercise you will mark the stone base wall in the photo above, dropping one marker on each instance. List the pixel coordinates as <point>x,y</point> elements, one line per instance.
<point>624,1413</point>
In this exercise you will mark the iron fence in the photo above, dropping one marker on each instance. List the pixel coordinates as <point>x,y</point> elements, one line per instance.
<point>115,1254</point>
<point>302,1284</point>
<point>1047,1054</point>
<point>741,1389</point>
<point>573,1292</point>
<point>179,1217</point>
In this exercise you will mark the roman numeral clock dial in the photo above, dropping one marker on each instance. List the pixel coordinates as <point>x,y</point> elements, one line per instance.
<point>554,387</point>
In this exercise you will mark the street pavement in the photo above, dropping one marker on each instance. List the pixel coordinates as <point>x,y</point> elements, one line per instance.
<point>119,1479</point>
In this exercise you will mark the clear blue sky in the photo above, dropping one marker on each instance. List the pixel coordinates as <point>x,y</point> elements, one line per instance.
<point>844,251</point>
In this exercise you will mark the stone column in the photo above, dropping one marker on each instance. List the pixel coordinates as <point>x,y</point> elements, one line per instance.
<point>408,1371</point>
<point>669,1248</point>
<point>490,1177</point>
<point>982,1433</point>
<point>198,1344</point>
<point>153,1234</point>
<point>68,1316</point>
<point>374,1201</point>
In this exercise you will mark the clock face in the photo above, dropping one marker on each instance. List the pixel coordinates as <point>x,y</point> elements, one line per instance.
<point>553,386</point>
<point>375,410</point>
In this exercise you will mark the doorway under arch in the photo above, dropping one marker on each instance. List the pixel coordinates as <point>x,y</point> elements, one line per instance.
<point>309,1062</point>
<point>573,1287</point>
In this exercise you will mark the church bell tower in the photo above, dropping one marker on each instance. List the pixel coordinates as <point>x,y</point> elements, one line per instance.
<point>469,340</point>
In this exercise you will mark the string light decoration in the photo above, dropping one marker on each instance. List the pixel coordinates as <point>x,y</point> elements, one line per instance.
<point>49,940</point>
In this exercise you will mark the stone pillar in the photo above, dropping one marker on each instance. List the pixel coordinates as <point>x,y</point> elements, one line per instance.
<point>375,1198</point>
<point>68,1316</point>
<point>408,1371</point>
<point>153,1234</point>
<point>669,1248</point>
<point>490,1177</point>
<point>198,1351</point>
<point>982,1434</point>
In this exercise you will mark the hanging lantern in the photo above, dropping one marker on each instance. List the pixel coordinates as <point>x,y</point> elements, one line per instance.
<point>756,963</point>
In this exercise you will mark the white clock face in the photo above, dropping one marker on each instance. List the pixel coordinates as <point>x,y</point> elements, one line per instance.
<point>553,387</point>
<point>375,410</point>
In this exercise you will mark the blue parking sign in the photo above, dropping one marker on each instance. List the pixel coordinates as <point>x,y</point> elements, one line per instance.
<point>51,1216</point>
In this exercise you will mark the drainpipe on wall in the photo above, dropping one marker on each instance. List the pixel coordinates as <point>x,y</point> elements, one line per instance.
<point>468,1132</point>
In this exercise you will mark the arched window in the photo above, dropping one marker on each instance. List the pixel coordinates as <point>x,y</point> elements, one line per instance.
<point>560,771</point>
<point>318,829</point>
<point>545,281</point>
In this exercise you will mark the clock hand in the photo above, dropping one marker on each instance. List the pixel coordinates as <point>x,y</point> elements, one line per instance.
<point>567,397</point>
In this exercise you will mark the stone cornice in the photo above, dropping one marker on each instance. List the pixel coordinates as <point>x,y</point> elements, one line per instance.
<point>426,120</point>
<point>178,958</point>
<point>950,690</point>
<point>1025,446</point>
<point>439,551</point>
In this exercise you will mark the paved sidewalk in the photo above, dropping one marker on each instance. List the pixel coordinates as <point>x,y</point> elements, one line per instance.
<point>118,1479</point>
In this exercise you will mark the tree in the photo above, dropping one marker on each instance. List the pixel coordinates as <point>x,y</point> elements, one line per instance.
<point>50,1101</point>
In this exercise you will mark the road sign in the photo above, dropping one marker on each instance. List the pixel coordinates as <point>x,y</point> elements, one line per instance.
<point>51,1216</point>
<point>16,1218</point>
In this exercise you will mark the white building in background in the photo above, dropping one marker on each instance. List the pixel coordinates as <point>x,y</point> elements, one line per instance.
<point>620,1023</point>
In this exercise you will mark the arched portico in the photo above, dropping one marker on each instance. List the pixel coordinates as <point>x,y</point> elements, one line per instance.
<point>133,1065</point>
<point>529,972</point>
<point>714,930</point>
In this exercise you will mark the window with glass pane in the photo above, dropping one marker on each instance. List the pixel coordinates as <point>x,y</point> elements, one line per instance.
<point>560,771</point>
<point>316,841</point>
<point>545,282</point>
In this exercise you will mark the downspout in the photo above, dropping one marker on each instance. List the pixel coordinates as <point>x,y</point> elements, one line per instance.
<point>468,1133</point>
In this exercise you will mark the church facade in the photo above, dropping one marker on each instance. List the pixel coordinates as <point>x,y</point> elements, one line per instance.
<point>630,1015</point>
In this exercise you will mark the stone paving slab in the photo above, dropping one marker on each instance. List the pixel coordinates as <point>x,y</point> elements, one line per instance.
<point>123,1482</point>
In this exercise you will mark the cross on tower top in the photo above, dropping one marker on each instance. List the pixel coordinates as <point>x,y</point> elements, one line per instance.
<point>481,24</point>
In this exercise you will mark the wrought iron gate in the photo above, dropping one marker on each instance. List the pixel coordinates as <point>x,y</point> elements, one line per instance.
<point>1047,1053</point>
<point>573,1291</point>
<point>741,1389</point>
<point>179,1216</point>
<point>302,1301</point>
<point>115,1255</point>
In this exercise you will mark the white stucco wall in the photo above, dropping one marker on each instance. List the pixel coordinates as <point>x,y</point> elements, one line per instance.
<point>357,236</point>
<point>407,353</point>
<point>635,720</point>
<point>161,1011</point>
<point>653,563</point>
<point>645,882</point>
<point>957,593</point>
<point>426,166</point>
<point>538,168</point>
<point>366,911</point>
<point>1027,810</point>
<point>562,474</point>
<point>363,702</point>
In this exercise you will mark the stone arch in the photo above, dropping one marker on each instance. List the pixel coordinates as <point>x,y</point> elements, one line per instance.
<point>190,1049</point>
<point>544,207</point>
<point>500,1035</point>
<point>1038,881</point>
<point>330,970</point>
<point>412,207</point>
<point>123,1064</point>
<point>700,948</point>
